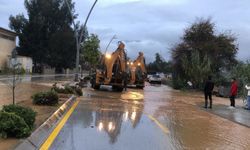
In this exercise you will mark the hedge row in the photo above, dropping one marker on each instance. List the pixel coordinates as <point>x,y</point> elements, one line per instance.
<point>65,90</point>
<point>68,90</point>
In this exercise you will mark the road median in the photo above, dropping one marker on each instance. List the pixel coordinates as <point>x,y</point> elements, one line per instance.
<point>39,136</point>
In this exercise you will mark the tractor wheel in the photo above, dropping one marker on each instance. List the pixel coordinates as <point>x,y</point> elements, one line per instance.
<point>140,86</point>
<point>94,85</point>
<point>117,88</point>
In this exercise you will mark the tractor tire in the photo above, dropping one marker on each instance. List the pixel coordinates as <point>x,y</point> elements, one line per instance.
<point>94,85</point>
<point>117,88</point>
<point>140,87</point>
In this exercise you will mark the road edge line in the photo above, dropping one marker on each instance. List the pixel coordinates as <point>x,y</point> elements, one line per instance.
<point>162,127</point>
<point>46,145</point>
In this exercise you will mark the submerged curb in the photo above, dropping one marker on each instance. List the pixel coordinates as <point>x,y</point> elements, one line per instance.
<point>37,138</point>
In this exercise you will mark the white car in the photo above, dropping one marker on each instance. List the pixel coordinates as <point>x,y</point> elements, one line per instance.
<point>148,76</point>
<point>154,79</point>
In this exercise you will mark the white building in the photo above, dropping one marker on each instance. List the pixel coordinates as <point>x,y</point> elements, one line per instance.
<point>25,62</point>
<point>7,44</point>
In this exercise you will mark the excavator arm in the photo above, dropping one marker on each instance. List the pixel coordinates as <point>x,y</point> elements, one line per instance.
<point>117,58</point>
<point>138,65</point>
<point>140,62</point>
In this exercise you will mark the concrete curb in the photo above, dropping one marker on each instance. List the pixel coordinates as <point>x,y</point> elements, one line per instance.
<point>38,137</point>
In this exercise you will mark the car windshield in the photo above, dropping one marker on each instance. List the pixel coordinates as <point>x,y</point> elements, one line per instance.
<point>156,76</point>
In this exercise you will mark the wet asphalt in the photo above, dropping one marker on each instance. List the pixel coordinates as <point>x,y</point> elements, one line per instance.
<point>106,120</point>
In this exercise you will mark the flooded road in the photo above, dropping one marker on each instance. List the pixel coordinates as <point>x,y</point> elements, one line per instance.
<point>156,118</point>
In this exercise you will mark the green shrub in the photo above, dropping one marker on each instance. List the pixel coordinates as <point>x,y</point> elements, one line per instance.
<point>27,114</point>
<point>22,71</point>
<point>56,89</point>
<point>69,90</point>
<point>65,90</point>
<point>78,91</point>
<point>45,98</point>
<point>12,125</point>
<point>178,83</point>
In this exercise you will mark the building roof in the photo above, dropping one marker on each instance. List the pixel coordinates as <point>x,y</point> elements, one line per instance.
<point>19,56</point>
<point>8,31</point>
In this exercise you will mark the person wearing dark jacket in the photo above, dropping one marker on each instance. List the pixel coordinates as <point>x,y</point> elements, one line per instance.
<point>125,80</point>
<point>208,89</point>
<point>233,92</point>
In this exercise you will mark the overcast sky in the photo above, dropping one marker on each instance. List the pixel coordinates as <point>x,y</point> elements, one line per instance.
<point>153,25</point>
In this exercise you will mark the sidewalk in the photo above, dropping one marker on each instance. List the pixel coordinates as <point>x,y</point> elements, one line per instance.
<point>221,108</point>
<point>238,114</point>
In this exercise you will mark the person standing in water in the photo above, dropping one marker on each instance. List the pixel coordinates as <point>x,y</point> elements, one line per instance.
<point>208,90</point>
<point>233,92</point>
<point>248,96</point>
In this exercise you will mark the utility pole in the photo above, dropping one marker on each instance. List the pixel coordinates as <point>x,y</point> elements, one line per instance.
<point>80,38</point>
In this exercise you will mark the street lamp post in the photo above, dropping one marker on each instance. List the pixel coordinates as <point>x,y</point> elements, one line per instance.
<point>114,37</point>
<point>80,38</point>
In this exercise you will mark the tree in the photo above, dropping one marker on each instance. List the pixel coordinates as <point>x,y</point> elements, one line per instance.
<point>196,69</point>
<point>62,54</point>
<point>90,52</point>
<point>15,80</point>
<point>159,65</point>
<point>46,35</point>
<point>158,59</point>
<point>220,49</point>
<point>16,72</point>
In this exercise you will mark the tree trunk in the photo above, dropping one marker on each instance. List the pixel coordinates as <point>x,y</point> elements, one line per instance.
<point>13,94</point>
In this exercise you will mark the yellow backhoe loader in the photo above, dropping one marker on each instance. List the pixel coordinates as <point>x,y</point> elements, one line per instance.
<point>112,70</point>
<point>137,72</point>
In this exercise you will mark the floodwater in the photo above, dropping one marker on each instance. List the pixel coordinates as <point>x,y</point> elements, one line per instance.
<point>27,86</point>
<point>156,118</point>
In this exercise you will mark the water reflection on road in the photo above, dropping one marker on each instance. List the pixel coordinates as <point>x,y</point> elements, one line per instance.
<point>108,115</point>
<point>111,121</point>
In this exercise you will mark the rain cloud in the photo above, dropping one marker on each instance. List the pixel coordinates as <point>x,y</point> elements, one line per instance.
<point>153,26</point>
